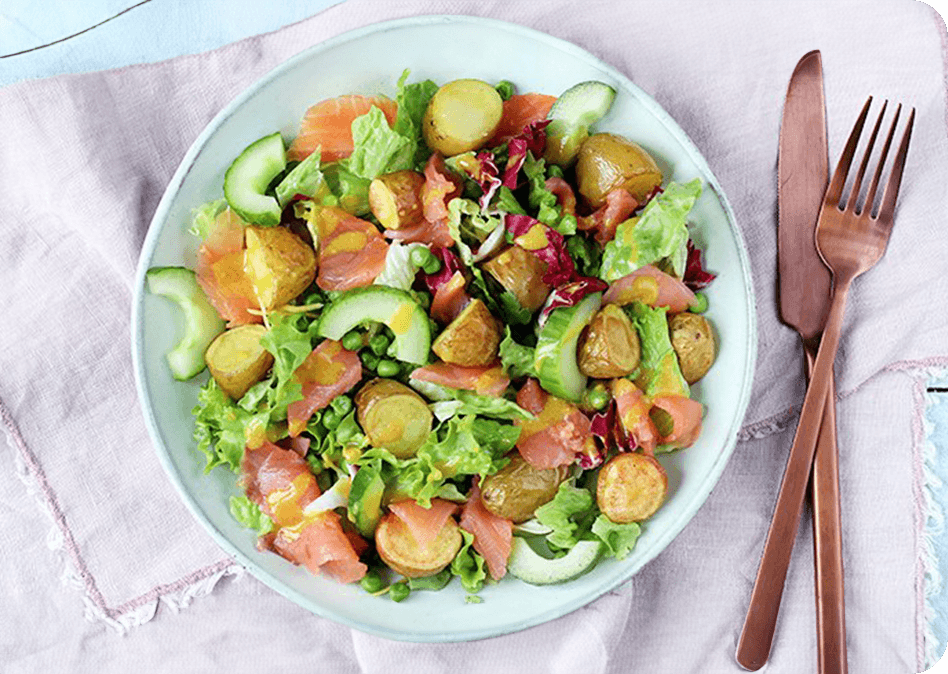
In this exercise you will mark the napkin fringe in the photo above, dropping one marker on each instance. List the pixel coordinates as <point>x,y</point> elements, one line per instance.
<point>177,595</point>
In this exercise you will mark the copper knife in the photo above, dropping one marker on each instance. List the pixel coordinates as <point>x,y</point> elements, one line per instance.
<point>804,283</point>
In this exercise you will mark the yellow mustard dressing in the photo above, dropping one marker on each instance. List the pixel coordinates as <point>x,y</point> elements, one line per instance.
<point>400,320</point>
<point>285,508</point>
<point>349,242</point>
<point>555,410</point>
<point>533,239</point>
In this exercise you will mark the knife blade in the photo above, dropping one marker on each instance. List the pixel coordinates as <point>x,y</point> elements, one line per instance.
<point>804,288</point>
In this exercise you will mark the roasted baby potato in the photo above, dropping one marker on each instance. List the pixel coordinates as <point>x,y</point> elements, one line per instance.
<point>237,360</point>
<point>279,264</point>
<point>393,416</point>
<point>471,339</point>
<point>395,199</point>
<point>518,489</point>
<point>693,341</point>
<point>398,548</point>
<point>607,161</point>
<point>610,347</point>
<point>521,272</point>
<point>631,487</point>
<point>461,116</point>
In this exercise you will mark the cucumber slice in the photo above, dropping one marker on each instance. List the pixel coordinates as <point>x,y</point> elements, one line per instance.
<point>365,500</point>
<point>555,357</point>
<point>247,180</point>
<point>577,108</point>
<point>201,321</point>
<point>395,308</point>
<point>531,567</point>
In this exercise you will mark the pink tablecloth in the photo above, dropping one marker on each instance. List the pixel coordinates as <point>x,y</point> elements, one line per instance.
<point>84,501</point>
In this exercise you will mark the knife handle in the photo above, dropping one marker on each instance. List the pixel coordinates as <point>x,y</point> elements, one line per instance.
<point>827,541</point>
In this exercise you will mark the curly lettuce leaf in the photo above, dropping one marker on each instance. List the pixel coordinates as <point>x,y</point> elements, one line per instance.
<point>619,539</point>
<point>222,428</point>
<point>516,359</point>
<point>569,515</point>
<point>660,233</point>
<point>204,217</point>
<point>377,149</point>
<point>469,566</point>
<point>305,179</point>
<point>399,271</point>
<point>543,202</point>
<point>290,340</point>
<point>248,514</point>
<point>412,102</point>
<point>659,372</point>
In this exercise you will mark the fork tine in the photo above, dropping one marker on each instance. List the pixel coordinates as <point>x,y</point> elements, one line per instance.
<point>873,186</point>
<point>887,208</point>
<point>835,189</point>
<point>853,199</point>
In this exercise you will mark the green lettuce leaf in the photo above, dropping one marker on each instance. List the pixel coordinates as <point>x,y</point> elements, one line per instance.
<point>586,254</point>
<point>412,102</point>
<point>377,149</point>
<point>469,566</point>
<point>221,427</point>
<point>659,372</point>
<point>203,217</point>
<point>619,539</point>
<point>469,226</point>
<point>569,515</point>
<point>248,514</point>
<point>468,402</point>
<point>660,233</point>
<point>306,179</point>
<point>290,340</point>
<point>543,201</point>
<point>516,359</point>
<point>350,190</point>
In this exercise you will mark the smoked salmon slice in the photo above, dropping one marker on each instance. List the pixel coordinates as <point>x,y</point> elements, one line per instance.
<point>519,111</point>
<point>351,252</point>
<point>686,417</point>
<point>606,219</point>
<point>220,271</point>
<point>281,483</point>
<point>493,535</point>
<point>450,299</point>
<point>328,126</point>
<point>424,524</point>
<point>434,234</point>
<point>488,381</point>
<point>632,408</point>
<point>564,194</point>
<point>558,433</point>
<point>327,372</point>
<point>653,287</point>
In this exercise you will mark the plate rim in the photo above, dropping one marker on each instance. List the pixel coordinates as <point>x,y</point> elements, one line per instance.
<point>149,245</point>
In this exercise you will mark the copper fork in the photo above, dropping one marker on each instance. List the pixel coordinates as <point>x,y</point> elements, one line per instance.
<point>851,237</point>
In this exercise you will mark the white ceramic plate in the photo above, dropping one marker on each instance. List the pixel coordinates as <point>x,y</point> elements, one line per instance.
<point>370,60</point>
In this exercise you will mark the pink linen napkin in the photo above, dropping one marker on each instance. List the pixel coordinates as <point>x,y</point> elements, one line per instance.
<point>85,160</point>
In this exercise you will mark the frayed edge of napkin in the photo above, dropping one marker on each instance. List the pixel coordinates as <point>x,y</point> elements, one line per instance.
<point>177,595</point>
<point>931,520</point>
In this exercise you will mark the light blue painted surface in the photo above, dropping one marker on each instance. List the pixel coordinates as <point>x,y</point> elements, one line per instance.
<point>163,29</point>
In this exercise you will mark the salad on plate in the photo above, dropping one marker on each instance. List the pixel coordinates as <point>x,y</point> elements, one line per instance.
<point>448,334</point>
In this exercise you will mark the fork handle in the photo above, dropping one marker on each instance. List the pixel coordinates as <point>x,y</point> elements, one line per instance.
<point>756,638</point>
<point>827,541</point>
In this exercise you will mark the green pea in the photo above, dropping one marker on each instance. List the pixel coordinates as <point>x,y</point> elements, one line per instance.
<point>506,89</point>
<point>372,582</point>
<point>370,360</point>
<point>379,344</point>
<point>700,304</point>
<point>399,591</point>
<point>331,418</point>
<point>432,265</point>
<point>419,255</point>
<point>352,341</point>
<point>597,397</point>
<point>342,405</point>
<point>388,368</point>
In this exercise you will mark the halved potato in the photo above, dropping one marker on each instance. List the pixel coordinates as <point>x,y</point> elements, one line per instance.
<point>518,489</point>
<point>237,360</point>
<point>607,161</point>
<point>279,264</point>
<point>471,339</point>
<point>521,272</point>
<point>461,116</point>
<point>693,341</point>
<point>610,347</point>
<point>398,548</point>
<point>393,416</point>
<point>395,199</point>
<point>631,487</point>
